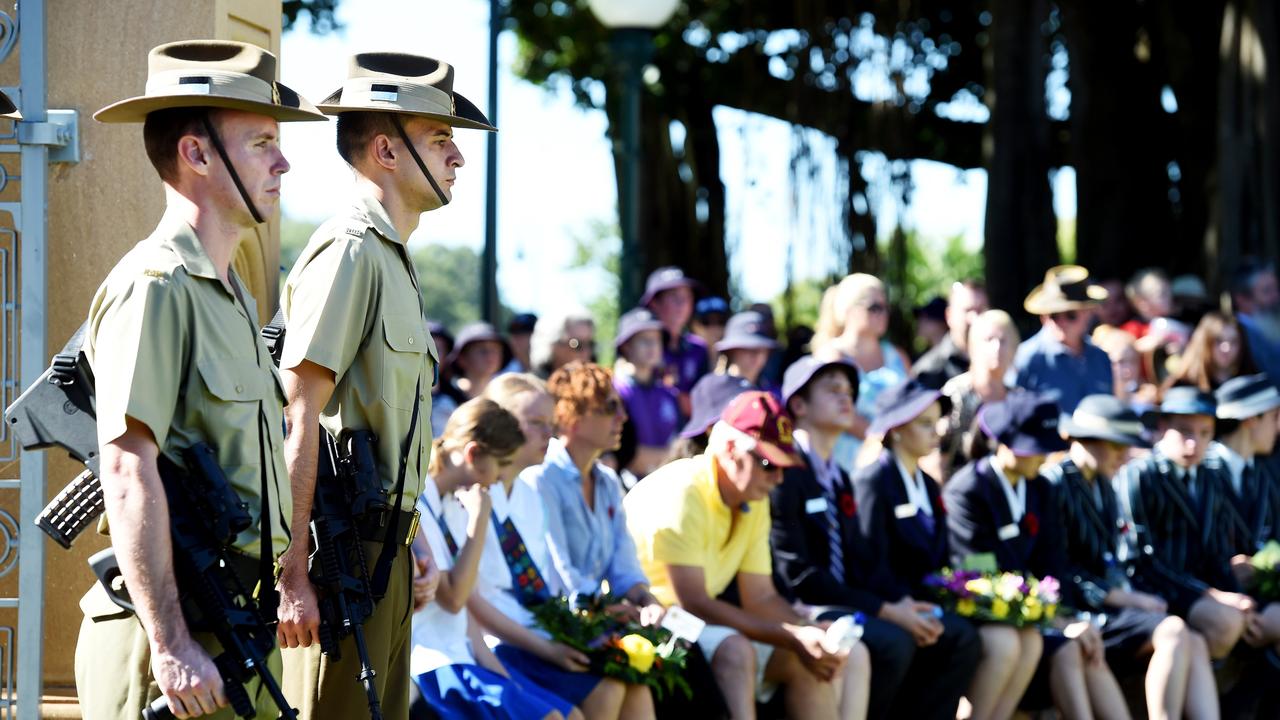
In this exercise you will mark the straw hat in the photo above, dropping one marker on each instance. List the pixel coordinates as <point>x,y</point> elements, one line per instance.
<point>404,84</point>
<point>213,74</point>
<point>1065,288</point>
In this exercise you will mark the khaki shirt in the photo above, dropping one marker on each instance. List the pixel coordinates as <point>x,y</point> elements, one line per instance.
<point>351,304</point>
<point>173,348</point>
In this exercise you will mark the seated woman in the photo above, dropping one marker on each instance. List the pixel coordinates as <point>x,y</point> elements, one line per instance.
<point>587,540</point>
<point>744,350</point>
<point>457,676</point>
<point>852,324</point>
<point>1140,637</point>
<point>1000,507</point>
<point>993,339</point>
<point>653,408</point>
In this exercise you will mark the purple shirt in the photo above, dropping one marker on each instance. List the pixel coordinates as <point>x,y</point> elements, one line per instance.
<point>653,410</point>
<point>688,362</point>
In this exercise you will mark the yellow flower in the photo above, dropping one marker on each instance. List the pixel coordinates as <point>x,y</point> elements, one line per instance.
<point>979,586</point>
<point>640,652</point>
<point>1051,610</point>
<point>999,609</point>
<point>1031,609</point>
<point>966,607</point>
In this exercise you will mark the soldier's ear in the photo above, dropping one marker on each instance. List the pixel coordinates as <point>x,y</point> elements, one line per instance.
<point>193,152</point>
<point>382,151</point>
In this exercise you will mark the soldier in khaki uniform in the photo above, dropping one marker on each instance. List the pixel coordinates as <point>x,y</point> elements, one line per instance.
<point>358,356</point>
<point>174,346</point>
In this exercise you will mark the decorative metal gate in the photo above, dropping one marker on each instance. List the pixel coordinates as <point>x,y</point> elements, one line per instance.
<point>42,137</point>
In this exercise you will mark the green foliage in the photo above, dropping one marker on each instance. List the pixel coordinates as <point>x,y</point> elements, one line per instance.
<point>1266,572</point>
<point>802,304</point>
<point>931,268</point>
<point>448,275</point>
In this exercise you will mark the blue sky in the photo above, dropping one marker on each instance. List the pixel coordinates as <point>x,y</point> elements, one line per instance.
<point>556,171</point>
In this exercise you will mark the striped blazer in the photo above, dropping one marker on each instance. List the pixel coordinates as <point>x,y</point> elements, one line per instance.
<point>1092,527</point>
<point>1178,542</point>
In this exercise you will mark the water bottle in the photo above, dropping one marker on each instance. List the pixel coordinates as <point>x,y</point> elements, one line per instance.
<point>844,633</point>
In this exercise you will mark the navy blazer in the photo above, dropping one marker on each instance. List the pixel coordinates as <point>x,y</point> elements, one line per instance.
<point>1094,563</point>
<point>977,509</point>
<point>802,550</point>
<point>902,548</point>
<point>1179,544</point>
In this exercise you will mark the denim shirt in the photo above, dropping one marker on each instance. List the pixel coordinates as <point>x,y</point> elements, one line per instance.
<point>1046,367</point>
<point>587,545</point>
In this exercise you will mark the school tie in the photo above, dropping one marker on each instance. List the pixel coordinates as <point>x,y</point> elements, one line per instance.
<point>834,540</point>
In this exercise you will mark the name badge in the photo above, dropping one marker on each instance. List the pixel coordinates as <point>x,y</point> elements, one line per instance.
<point>683,624</point>
<point>904,511</point>
<point>815,505</point>
<point>1008,532</point>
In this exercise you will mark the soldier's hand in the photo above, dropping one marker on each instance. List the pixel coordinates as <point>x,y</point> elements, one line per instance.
<point>299,611</point>
<point>188,679</point>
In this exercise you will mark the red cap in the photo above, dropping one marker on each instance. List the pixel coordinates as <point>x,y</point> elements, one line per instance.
<point>761,416</point>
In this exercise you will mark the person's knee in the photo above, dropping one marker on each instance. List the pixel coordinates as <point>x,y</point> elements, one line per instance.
<point>1172,632</point>
<point>1068,658</point>
<point>608,691</point>
<point>735,657</point>
<point>859,660</point>
<point>1001,645</point>
<point>1221,626</point>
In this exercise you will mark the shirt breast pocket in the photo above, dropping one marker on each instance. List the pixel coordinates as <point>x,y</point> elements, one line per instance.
<point>233,390</point>
<point>407,346</point>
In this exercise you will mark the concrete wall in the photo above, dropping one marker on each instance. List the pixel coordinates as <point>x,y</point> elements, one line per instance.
<point>102,206</point>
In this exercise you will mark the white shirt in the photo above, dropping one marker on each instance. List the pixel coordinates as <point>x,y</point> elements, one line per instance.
<point>1235,464</point>
<point>524,507</point>
<point>439,636</point>
<point>917,493</point>
<point>1017,498</point>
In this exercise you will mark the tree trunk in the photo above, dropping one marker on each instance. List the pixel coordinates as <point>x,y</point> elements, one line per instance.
<point>1020,239</point>
<point>1120,144</point>
<point>1248,169</point>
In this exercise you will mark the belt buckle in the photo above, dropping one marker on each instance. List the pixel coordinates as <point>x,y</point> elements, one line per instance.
<point>413,528</point>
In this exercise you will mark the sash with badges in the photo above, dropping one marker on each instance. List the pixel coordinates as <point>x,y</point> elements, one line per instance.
<point>526,581</point>
<point>449,542</point>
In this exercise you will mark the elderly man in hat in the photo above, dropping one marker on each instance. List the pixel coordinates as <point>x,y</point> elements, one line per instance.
<point>1140,638</point>
<point>1060,362</point>
<point>173,342</point>
<point>358,356</point>
<point>1172,503</point>
<point>701,528</point>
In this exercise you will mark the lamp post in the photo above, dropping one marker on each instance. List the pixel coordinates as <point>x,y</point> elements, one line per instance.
<point>631,24</point>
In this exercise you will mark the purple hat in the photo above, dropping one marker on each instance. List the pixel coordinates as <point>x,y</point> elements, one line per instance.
<point>746,331</point>
<point>479,332</point>
<point>800,372</point>
<point>709,397</point>
<point>667,278</point>
<point>633,322</point>
<point>901,404</point>
<point>1025,423</point>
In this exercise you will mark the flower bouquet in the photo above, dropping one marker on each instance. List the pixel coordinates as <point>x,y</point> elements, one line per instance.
<point>1018,600</point>
<point>1266,572</point>
<point>619,649</point>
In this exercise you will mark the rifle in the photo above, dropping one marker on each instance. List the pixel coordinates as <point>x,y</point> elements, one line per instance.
<point>58,410</point>
<point>205,516</point>
<point>347,489</point>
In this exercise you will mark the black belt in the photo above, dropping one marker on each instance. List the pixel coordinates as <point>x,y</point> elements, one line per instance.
<point>373,528</point>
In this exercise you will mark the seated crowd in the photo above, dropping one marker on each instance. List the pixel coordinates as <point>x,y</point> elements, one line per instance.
<point>1126,449</point>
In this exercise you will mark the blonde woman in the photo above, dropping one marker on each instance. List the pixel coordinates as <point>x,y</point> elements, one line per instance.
<point>851,325</point>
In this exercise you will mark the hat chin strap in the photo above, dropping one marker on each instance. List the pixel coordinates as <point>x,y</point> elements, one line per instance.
<point>235,177</point>
<point>395,120</point>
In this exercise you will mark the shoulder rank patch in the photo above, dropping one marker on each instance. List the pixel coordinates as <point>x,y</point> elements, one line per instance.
<point>153,273</point>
